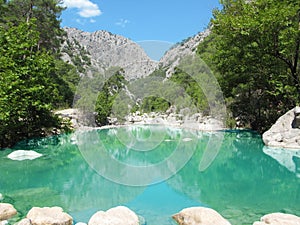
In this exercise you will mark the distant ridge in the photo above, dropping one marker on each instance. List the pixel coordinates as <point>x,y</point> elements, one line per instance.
<point>104,49</point>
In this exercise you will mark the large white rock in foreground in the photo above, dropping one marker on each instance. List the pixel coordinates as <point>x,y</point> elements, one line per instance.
<point>199,216</point>
<point>7,211</point>
<point>23,155</point>
<point>285,133</point>
<point>279,219</point>
<point>115,216</point>
<point>49,216</point>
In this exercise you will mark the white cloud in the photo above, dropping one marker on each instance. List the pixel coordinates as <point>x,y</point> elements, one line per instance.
<point>86,7</point>
<point>122,22</point>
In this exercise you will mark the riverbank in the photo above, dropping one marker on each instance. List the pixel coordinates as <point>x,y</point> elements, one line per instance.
<point>195,121</point>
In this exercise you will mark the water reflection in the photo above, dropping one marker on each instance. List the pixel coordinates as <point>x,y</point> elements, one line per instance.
<point>123,162</point>
<point>242,182</point>
<point>288,158</point>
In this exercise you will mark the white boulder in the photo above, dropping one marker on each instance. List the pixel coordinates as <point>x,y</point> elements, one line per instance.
<point>199,216</point>
<point>115,216</point>
<point>284,133</point>
<point>279,219</point>
<point>7,211</point>
<point>23,155</point>
<point>49,216</point>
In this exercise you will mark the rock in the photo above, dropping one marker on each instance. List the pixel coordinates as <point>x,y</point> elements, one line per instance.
<point>1,197</point>
<point>49,216</point>
<point>187,139</point>
<point>282,134</point>
<point>70,114</point>
<point>24,222</point>
<point>115,216</point>
<point>199,216</point>
<point>279,219</point>
<point>23,155</point>
<point>4,222</point>
<point>109,50</point>
<point>172,57</point>
<point>7,211</point>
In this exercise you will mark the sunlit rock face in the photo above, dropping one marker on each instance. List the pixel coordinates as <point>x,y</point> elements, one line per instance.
<point>172,58</point>
<point>285,132</point>
<point>107,50</point>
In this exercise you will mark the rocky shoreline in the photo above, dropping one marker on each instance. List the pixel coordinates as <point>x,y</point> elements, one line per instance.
<point>122,215</point>
<point>196,121</point>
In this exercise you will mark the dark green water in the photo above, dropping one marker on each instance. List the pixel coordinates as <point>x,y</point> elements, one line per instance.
<point>242,182</point>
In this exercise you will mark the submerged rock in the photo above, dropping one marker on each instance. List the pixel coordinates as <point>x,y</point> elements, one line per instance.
<point>199,216</point>
<point>7,211</point>
<point>23,155</point>
<point>279,219</point>
<point>49,216</point>
<point>115,216</point>
<point>285,133</point>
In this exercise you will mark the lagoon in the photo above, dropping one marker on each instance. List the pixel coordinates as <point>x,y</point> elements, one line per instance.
<point>155,171</point>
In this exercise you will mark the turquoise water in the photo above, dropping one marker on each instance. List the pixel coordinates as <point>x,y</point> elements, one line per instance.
<point>155,172</point>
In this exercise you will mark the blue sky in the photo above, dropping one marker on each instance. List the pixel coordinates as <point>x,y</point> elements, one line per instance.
<point>140,20</point>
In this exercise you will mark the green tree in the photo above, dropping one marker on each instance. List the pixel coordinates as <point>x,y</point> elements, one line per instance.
<point>46,12</point>
<point>27,88</point>
<point>106,97</point>
<point>154,104</point>
<point>67,79</point>
<point>257,54</point>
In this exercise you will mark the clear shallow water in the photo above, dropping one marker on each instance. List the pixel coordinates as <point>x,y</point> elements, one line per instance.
<point>242,183</point>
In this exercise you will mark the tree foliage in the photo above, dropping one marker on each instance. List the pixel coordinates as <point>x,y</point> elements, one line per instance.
<point>256,47</point>
<point>27,89</point>
<point>45,12</point>
<point>106,97</point>
<point>33,80</point>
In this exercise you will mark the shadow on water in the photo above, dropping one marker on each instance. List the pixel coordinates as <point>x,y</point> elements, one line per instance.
<point>244,182</point>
